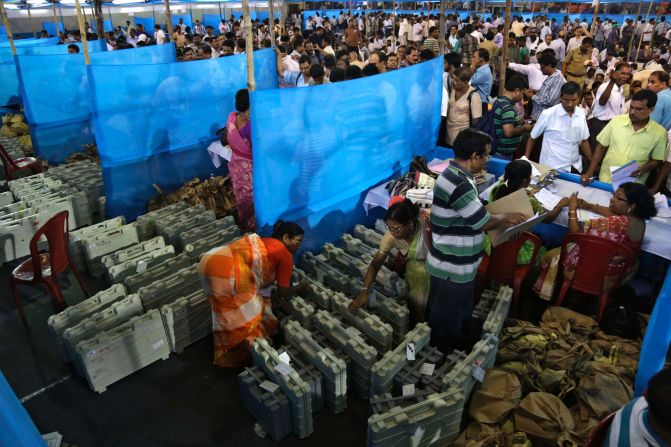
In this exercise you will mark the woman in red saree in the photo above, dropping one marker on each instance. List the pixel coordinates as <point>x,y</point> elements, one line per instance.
<point>239,137</point>
<point>234,277</point>
<point>623,221</point>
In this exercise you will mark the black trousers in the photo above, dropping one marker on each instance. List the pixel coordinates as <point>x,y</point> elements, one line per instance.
<point>449,310</point>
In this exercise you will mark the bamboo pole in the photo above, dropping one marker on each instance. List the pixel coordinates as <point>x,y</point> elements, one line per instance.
<point>60,11</point>
<point>53,7</point>
<point>441,41</point>
<point>220,16</point>
<point>30,20</point>
<point>249,46</point>
<point>168,17</point>
<point>633,36</point>
<point>504,59</point>
<point>271,24</point>
<point>8,28</point>
<point>594,16</point>
<point>82,31</point>
<point>640,41</point>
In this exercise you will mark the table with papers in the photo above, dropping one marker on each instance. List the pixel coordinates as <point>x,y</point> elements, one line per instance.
<point>658,229</point>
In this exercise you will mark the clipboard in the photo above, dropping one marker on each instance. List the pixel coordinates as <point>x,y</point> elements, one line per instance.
<point>517,202</point>
<point>499,236</point>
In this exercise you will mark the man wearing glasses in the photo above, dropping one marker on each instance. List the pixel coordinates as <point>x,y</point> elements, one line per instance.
<point>458,223</point>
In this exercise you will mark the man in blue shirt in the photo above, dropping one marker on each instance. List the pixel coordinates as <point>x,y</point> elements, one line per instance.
<point>482,78</point>
<point>658,82</point>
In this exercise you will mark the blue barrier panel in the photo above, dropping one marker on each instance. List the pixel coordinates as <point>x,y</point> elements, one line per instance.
<point>107,25</point>
<point>17,427</point>
<point>146,22</point>
<point>50,28</point>
<point>185,17</point>
<point>154,122</point>
<point>310,155</point>
<point>58,112</point>
<point>153,54</point>
<point>9,81</point>
<point>95,46</point>
<point>212,20</point>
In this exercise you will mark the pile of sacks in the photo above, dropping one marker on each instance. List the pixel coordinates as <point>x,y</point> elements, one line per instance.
<point>214,193</point>
<point>14,126</point>
<point>552,383</point>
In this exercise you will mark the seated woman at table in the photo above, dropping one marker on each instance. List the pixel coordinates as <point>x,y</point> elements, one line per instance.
<point>408,232</point>
<point>517,176</point>
<point>623,221</point>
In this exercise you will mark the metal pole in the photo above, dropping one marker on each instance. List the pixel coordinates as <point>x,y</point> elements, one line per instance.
<point>504,59</point>
<point>631,42</point>
<point>82,31</point>
<point>441,40</point>
<point>30,20</point>
<point>168,17</point>
<point>8,28</point>
<point>249,46</point>
<point>647,18</point>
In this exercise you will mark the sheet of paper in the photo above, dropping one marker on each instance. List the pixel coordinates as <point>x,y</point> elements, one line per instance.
<point>517,202</point>
<point>622,174</point>
<point>498,236</point>
<point>427,369</point>
<point>548,199</point>
<point>534,170</point>
<point>662,205</point>
<point>409,389</point>
<point>585,215</point>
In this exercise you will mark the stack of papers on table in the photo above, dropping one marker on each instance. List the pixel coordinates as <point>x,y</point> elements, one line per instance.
<point>662,205</point>
<point>517,202</point>
<point>548,199</point>
<point>538,171</point>
<point>622,174</point>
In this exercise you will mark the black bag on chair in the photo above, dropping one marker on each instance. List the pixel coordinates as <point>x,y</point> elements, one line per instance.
<point>622,321</point>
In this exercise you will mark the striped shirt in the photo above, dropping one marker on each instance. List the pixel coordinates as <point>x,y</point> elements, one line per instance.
<point>631,427</point>
<point>457,218</point>
<point>548,95</point>
<point>505,113</point>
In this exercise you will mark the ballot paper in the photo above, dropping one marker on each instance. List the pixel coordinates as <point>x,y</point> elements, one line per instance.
<point>622,174</point>
<point>534,170</point>
<point>499,236</point>
<point>585,215</point>
<point>547,198</point>
<point>662,205</point>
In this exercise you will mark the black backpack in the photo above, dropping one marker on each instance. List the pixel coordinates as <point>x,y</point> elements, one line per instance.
<point>622,321</point>
<point>486,124</point>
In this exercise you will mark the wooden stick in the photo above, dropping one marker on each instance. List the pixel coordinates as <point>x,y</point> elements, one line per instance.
<point>53,7</point>
<point>441,41</point>
<point>504,59</point>
<point>594,16</point>
<point>30,20</point>
<point>82,31</point>
<point>249,46</point>
<point>168,16</point>
<point>633,36</point>
<point>647,19</point>
<point>8,28</point>
<point>271,23</point>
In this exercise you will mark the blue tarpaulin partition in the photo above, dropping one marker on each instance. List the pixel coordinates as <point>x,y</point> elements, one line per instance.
<point>153,54</point>
<point>94,47</point>
<point>185,17</point>
<point>55,93</point>
<point>50,28</point>
<point>9,82</point>
<point>107,25</point>
<point>212,20</point>
<point>153,123</point>
<point>17,427</point>
<point>147,22</point>
<point>316,149</point>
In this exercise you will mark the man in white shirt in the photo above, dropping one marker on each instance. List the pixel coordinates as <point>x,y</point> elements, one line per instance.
<point>648,30</point>
<point>559,48</point>
<point>609,100</point>
<point>198,28</point>
<point>576,41</point>
<point>546,30</point>
<point>223,27</point>
<point>182,25</point>
<point>564,130</point>
<point>532,72</point>
<point>159,35</point>
<point>418,31</point>
<point>547,41</point>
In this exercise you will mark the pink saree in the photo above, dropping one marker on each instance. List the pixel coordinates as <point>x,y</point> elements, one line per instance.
<point>240,169</point>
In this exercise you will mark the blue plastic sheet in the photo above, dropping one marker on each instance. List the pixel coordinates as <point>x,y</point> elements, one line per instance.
<point>94,47</point>
<point>50,27</point>
<point>212,20</point>
<point>185,17</point>
<point>153,54</point>
<point>9,82</point>
<point>17,427</point>
<point>153,123</point>
<point>146,22</point>
<point>321,146</point>
<point>58,112</point>
<point>107,25</point>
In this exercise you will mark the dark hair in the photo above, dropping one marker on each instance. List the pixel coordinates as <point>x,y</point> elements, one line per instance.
<point>74,47</point>
<point>659,74</point>
<point>548,59</point>
<point>586,41</point>
<point>426,54</point>
<point>484,54</point>
<point>463,73</point>
<point>636,83</point>
<point>288,228</point>
<point>230,44</point>
<point>329,61</point>
<point>516,174</point>
<point>637,194</point>
<point>516,82</point>
<point>341,53</point>
<point>337,75</point>
<point>453,59</point>
<point>570,88</point>
<point>316,71</point>
<point>353,72</point>
<point>469,142</point>
<point>402,212</point>
<point>595,86</point>
<point>370,70</point>
<point>242,100</point>
<point>658,396</point>
<point>432,29</point>
<point>303,59</point>
<point>646,95</point>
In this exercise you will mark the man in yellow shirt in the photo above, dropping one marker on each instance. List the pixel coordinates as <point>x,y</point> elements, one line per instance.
<point>630,137</point>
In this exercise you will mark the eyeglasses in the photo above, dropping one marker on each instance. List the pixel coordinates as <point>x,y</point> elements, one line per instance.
<point>397,229</point>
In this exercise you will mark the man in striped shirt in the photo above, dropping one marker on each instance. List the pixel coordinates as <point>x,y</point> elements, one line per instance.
<point>458,220</point>
<point>645,421</point>
<point>508,124</point>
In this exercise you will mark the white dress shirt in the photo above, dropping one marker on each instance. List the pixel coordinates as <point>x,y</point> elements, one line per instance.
<point>159,37</point>
<point>562,135</point>
<point>559,47</point>
<point>612,108</point>
<point>533,73</point>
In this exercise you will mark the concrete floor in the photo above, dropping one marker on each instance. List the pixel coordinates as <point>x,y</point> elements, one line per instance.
<point>182,401</point>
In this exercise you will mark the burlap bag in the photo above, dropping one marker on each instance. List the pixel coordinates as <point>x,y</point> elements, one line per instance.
<point>546,420</point>
<point>601,391</point>
<point>581,325</point>
<point>480,435</point>
<point>496,397</point>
